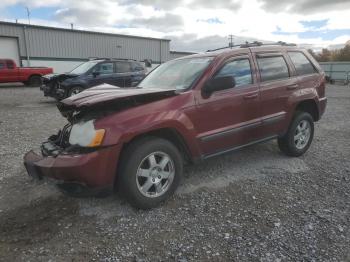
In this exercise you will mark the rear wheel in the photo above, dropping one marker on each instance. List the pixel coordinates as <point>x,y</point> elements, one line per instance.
<point>35,81</point>
<point>75,90</point>
<point>299,136</point>
<point>151,170</point>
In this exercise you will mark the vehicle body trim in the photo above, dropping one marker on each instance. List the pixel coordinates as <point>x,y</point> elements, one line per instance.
<point>272,119</point>
<point>230,131</point>
<point>239,147</point>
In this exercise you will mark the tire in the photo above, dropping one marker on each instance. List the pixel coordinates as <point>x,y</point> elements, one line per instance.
<point>75,90</point>
<point>154,184</point>
<point>299,136</point>
<point>35,81</point>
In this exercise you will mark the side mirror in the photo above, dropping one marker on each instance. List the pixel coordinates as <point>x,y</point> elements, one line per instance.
<point>95,74</point>
<point>217,84</point>
<point>148,63</point>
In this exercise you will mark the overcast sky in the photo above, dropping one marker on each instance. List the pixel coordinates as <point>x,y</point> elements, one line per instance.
<point>195,25</point>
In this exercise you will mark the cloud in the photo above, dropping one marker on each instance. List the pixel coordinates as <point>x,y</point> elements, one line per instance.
<point>30,3</point>
<point>157,4</point>
<point>194,43</point>
<point>171,4</point>
<point>304,6</point>
<point>81,16</point>
<point>165,23</point>
<point>232,5</point>
<point>198,25</point>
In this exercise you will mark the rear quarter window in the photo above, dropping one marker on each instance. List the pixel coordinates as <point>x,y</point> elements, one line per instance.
<point>2,65</point>
<point>272,68</point>
<point>137,67</point>
<point>123,67</point>
<point>302,65</point>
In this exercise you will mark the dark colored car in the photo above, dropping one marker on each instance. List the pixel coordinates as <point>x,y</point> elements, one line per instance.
<point>10,72</point>
<point>122,73</point>
<point>186,110</point>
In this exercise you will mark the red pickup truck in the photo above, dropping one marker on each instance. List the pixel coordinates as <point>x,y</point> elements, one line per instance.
<point>9,72</point>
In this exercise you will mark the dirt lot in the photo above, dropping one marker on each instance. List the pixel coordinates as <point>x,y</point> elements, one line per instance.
<point>252,205</point>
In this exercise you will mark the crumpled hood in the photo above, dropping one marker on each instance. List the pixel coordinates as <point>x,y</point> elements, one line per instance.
<point>50,76</point>
<point>104,95</point>
<point>61,77</point>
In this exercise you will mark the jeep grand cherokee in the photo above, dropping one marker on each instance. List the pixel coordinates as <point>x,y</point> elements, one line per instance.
<point>189,109</point>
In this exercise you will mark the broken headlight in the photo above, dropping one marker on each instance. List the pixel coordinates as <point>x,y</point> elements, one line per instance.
<point>84,134</point>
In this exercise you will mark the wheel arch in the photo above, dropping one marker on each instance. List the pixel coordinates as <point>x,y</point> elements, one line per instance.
<point>34,74</point>
<point>309,106</point>
<point>30,77</point>
<point>170,134</point>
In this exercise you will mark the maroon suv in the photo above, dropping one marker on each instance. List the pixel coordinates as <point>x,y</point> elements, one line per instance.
<point>189,109</point>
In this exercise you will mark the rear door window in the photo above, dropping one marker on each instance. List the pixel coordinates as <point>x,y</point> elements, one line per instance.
<point>239,69</point>
<point>302,65</point>
<point>2,65</point>
<point>10,64</point>
<point>272,68</point>
<point>104,68</point>
<point>123,67</point>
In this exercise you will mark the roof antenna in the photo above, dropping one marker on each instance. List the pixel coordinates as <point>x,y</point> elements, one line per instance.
<point>28,14</point>
<point>230,44</point>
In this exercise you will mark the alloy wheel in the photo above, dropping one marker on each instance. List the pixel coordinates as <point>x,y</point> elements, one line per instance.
<point>302,134</point>
<point>155,174</point>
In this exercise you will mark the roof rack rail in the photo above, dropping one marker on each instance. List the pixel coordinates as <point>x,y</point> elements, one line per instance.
<point>252,44</point>
<point>257,43</point>
<point>108,58</point>
<point>221,48</point>
<point>126,59</point>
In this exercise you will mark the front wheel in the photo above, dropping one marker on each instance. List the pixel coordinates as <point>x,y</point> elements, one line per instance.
<point>35,81</point>
<point>299,135</point>
<point>75,90</point>
<point>151,170</point>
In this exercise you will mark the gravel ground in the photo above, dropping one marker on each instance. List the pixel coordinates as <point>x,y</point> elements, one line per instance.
<point>251,205</point>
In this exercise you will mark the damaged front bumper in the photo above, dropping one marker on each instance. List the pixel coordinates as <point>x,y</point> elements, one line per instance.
<point>53,91</point>
<point>89,171</point>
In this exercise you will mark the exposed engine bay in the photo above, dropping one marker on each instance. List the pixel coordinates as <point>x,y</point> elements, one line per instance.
<point>52,85</point>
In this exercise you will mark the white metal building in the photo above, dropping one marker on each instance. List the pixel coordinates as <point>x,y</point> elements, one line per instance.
<point>63,49</point>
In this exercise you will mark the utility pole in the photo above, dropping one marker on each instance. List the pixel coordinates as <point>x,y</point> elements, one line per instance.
<point>28,14</point>
<point>230,37</point>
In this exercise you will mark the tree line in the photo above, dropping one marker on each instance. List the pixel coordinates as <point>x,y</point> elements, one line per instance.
<point>327,55</point>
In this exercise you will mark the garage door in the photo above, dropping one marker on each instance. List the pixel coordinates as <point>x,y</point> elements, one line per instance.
<point>9,48</point>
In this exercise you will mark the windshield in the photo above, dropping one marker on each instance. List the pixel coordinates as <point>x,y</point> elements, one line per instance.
<point>176,74</point>
<point>84,67</point>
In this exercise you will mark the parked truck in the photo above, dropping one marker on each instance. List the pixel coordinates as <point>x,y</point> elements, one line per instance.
<point>9,72</point>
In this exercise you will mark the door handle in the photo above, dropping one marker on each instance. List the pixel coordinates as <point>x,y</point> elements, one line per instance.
<point>251,96</point>
<point>292,87</point>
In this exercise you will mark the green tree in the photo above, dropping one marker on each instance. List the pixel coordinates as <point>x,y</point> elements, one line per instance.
<point>344,54</point>
<point>325,55</point>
